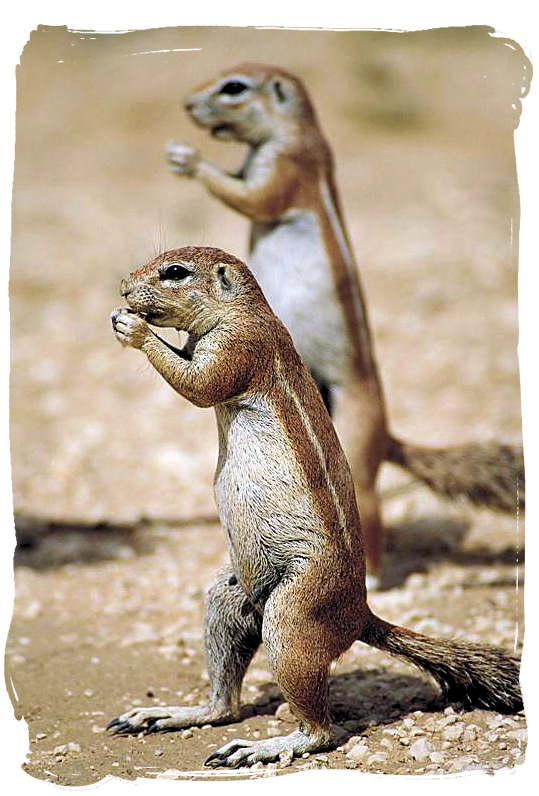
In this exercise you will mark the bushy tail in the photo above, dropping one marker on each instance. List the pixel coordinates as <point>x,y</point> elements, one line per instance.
<point>487,474</point>
<point>474,675</point>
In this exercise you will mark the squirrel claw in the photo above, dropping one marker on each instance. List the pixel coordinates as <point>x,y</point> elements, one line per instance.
<point>119,727</point>
<point>153,726</point>
<point>215,757</point>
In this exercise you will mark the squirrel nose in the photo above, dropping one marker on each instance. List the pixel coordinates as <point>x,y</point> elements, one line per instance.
<point>124,288</point>
<point>189,104</point>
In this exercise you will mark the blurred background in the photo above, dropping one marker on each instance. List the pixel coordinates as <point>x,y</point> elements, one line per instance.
<point>421,125</point>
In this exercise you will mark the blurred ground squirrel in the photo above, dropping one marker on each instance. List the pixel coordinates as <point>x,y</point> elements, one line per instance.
<point>301,255</point>
<point>286,500</point>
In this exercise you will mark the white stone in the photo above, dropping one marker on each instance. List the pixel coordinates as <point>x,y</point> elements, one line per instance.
<point>437,757</point>
<point>284,713</point>
<point>285,758</point>
<point>420,749</point>
<point>358,752</point>
<point>351,742</point>
<point>378,757</point>
<point>520,735</point>
<point>453,733</point>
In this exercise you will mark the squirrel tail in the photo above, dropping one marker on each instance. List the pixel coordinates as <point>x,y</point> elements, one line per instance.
<point>487,474</point>
<point>472,674</point>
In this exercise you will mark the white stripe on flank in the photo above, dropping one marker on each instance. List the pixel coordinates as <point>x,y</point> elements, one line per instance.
<point>351,267</point>
<point>316,443</point>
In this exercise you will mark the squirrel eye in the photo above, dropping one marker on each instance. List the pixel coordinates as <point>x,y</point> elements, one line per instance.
<point>233,87</point>
<point>175,272</point>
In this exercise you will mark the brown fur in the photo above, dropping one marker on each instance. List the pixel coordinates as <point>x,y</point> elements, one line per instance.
<point>472,674</point>
<point>286,500</point>
<point>488,474</point>
<point>288,176</point>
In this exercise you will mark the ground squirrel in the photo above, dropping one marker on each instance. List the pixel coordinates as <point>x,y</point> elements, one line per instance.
<point>286,500</point>
<point>301,255</point>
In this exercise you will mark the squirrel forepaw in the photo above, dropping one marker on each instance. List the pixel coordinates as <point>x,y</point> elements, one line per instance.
<point>130,329</point>
<point>183,159</point>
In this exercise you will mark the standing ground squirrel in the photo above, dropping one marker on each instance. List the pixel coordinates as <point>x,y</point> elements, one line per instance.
<point>301,255</point>
<point>286,500</point>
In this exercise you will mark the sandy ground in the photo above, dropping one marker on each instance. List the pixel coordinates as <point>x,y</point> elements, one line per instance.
<point>112,471</point>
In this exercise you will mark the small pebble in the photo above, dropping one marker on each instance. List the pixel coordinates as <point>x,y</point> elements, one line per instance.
<point>420,749</point>
<point>351,742</point>
<point>520,735</point>
<point>453,733</point>
<point>379,757</point>
<point>284,713</point>
<point>437,757</point>
<point>285,758</point>
<point>358,752</point>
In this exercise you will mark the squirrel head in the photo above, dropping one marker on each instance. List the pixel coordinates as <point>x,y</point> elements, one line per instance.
<point>191,289</point>
<point>251,103</point>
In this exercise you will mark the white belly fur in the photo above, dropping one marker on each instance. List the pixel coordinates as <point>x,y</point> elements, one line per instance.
<point>291,264</point>
<point>270,520</point>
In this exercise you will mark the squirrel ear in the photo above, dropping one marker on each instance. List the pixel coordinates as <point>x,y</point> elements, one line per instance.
<point>223,277</point>
<point>279,90</point>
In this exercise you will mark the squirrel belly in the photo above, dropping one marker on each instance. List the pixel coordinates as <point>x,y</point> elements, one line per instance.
<point>292,266</point>
<point>271,523</point>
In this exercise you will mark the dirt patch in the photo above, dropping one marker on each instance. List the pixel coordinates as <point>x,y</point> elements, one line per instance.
<point>118,626</point>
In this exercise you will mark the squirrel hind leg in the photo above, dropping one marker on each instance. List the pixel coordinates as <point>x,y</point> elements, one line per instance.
<point>231,639</point>
<point>304,683</point>
<point>300,651</point>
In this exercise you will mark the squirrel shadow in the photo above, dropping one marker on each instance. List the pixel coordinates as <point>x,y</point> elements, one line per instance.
<point>411,547</point>
<point>361,699</point>
<point>45,544</point>
<point>414,546</point>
